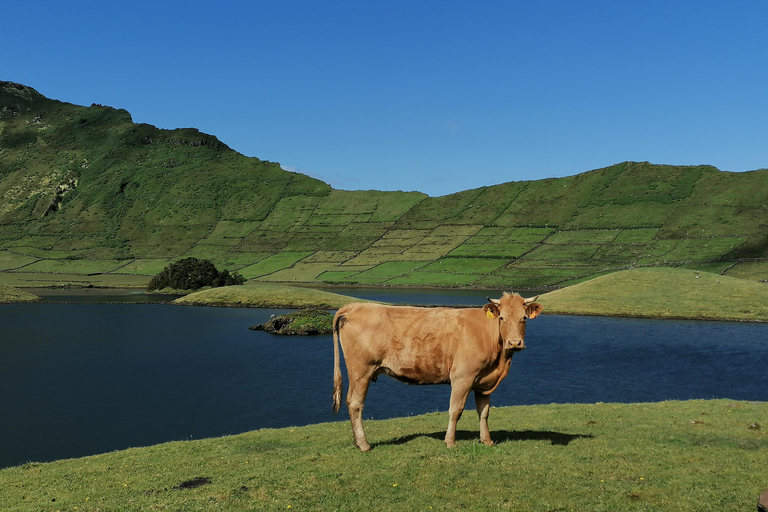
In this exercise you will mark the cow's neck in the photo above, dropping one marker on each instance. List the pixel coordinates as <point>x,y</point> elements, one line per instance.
<point>505,360</point>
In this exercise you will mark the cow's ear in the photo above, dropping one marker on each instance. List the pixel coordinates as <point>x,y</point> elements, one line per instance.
<point>491,310</point>
<point>533,310</point>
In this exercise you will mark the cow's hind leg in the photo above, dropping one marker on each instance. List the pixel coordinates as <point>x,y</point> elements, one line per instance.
<point>459,393</point>
<point>358,389</point>
<point>483,403</point>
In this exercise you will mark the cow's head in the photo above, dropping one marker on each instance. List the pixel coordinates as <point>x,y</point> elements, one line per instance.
<point>512,311</point>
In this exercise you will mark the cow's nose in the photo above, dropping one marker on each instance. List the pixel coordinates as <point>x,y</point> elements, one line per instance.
<point>516,344</point>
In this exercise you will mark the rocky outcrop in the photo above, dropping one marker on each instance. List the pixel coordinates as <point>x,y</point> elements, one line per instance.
<point>67,184</point>
<point>304,322</point>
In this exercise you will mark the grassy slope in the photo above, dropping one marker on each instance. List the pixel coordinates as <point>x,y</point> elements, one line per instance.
<point>663,293</point>
<point>669,456</point>
<point>11,294</point>
<point>266,295</point>
<point>138,197</point>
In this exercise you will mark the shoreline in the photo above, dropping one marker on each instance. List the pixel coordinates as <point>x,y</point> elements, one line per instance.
<point>105,292</point>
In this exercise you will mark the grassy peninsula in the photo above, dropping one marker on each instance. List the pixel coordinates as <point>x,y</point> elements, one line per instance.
<point>11,294</point>
<point>668,456</point>
<point>266,295</point>
<point>663,293</point>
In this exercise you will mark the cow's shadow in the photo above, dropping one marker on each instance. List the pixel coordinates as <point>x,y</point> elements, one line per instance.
<point>498,436</point>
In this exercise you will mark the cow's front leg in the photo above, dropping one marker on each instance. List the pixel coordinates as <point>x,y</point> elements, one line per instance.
<point>483,403</point>
<point>459,393</point>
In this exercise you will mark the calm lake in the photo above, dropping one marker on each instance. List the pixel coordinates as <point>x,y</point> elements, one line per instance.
<point>85,378</point>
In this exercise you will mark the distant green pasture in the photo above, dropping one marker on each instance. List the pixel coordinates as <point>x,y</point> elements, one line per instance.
<point>585,236</point>
<point>465,265</point>
<point>272,264</point>
<point>376,255</point>
<point>147,267</point>
<point>334,277</point>
<point>85,267</point>
<point>232,229</point>
<point>563,252</point>
<point>635,236</point>
<point>45,253</point>
<point>619,253</point>
<point>471,248</point>
<point>692,249</point>
<point>531,277</point>
<point>10,260</point>
<point>300,272</point>
<point>420,278</point>
<point>330,256</point>
<point>389,270</point>
<point>752,270</point>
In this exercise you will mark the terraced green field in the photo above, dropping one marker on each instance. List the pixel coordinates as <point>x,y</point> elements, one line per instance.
<point>85,192</point>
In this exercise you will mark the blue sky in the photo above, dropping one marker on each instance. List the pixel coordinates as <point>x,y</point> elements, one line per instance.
<point>436,96</point>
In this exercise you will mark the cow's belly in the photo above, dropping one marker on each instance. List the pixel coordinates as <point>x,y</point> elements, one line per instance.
<point>414,365</point>
<point>411,376</point>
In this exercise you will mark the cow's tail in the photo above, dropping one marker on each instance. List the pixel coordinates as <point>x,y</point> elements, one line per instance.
<point>338,322</point>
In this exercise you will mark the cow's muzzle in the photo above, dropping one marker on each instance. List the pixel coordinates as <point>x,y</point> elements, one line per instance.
<point>514,344</point>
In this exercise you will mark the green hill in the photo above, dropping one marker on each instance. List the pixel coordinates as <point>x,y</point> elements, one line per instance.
<point>89,197</point>
<point>663,293</point>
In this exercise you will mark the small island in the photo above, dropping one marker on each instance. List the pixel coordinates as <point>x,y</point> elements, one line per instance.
<point>303,322</point>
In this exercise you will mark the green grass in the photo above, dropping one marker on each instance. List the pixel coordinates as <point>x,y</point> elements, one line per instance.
<point>47,280</point>
<point>663,293</point>
<point>389,270</point>
<point>563,252</point>
<point>11,260</point>
<point>466,265</point>
<point>272,264</point>
<point>300,272</point>
<point>266,295</point>
<point>666,457</point>
<point>10,294</point>
<point>586,236</point>
<point>424,278</point>
<point>752,270</point>
<point>146,267</point>
<point>75,266</point>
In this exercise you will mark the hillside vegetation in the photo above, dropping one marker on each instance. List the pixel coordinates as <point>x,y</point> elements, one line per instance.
<point>89,197</point>
<point>9,294</point>
<point>668,456</point>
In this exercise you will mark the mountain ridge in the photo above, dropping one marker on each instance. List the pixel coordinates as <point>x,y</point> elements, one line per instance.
<point>84,190</point>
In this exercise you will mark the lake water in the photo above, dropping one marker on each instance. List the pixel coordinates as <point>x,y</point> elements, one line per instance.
<point>80,379</point>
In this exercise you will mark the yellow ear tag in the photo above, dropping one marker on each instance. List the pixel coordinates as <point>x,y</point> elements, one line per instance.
<point>489,313</point>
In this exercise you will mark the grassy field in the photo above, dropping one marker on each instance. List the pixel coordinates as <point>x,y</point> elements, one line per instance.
<point>266,295</point>
<point>84,191</point>
<point>667,457</point>
<point>9,294</point>
<point>663,293</point>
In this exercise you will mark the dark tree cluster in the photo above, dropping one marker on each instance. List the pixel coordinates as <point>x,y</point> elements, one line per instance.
<point>193,274</point>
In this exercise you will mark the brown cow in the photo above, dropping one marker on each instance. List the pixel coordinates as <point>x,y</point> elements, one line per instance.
<point>470,349</point>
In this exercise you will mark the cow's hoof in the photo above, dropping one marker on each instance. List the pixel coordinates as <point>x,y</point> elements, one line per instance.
<point>450,445</point>
<point>487,443</point>
<point>365,447</point>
